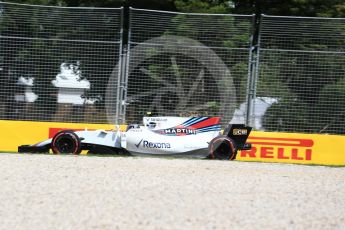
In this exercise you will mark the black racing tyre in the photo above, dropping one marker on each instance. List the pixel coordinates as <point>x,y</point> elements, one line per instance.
<point>66,142</point>
<point>222,148</point>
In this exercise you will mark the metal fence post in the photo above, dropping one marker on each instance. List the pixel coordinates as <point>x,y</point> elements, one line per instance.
<point>250,81</point>
<point>126,66</point>
<point>123,86</point>
<point>255,74</point>
<point>119,95</point>
<point>251,69</point>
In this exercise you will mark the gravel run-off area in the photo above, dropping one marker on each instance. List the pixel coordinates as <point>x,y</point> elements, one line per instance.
<point>106,192</point>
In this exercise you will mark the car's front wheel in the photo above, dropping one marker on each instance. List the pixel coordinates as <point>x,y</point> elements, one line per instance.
<point>66,142</point>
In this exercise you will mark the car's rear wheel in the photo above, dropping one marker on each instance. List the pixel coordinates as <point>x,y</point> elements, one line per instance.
<point>66,142</point>
<point>222,148</point>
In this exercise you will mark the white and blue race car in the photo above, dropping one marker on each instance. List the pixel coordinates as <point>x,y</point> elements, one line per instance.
<point>161,136</point>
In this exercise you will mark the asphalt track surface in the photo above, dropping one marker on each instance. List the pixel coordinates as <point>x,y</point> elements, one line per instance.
<point>83,192</point>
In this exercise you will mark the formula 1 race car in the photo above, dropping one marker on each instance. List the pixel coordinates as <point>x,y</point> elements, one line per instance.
<point>167,136</point>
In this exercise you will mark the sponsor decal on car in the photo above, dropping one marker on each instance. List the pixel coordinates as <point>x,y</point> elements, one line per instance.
<point>154,119</point>
<point>153,145</point>
<point>240,132</point>
<point>135,130</point>
<point>192,126</point>
<point>179,131</point>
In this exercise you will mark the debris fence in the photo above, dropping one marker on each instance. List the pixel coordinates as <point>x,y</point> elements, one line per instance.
<point>97,65</point>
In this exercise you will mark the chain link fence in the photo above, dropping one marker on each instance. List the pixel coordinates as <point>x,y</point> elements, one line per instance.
<point>73,65</point>
<point>55,62</point>
<point>301,74</point>
<point>186,64</point>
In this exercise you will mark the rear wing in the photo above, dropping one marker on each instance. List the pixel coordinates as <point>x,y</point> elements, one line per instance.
<point>239,133</point>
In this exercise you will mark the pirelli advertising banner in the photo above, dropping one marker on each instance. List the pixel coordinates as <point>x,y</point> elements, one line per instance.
<point>295,148</point>
<point>266,146</point>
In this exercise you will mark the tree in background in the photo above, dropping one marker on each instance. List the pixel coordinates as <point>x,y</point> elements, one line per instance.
<point>312,8</point>
<point>293,86</point>
<point>35,41</point>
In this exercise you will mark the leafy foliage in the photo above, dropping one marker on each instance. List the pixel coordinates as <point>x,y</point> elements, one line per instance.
<point>311,8</point>
<point>197,6</point>
<point>278,77</point>
<point>288,115</point>
<point>320,8</point>
<point>331,116</point>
